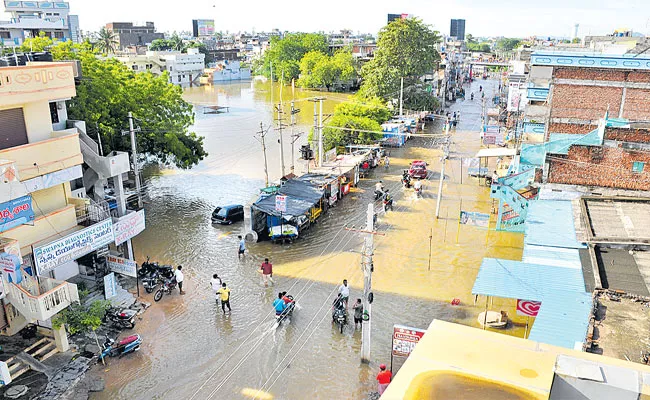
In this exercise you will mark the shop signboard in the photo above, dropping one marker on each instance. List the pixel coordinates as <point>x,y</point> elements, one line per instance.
<point>73,246</point>
<point>128,226</point>
<point>16,212</point>
<point>10,268</point>
<point>403,342</point>
<point>122,266</point>
<point>281,203</point>
<point>5,376</point>
<point>110,286</point>
<point>474,218</point>
<point>528,308</point>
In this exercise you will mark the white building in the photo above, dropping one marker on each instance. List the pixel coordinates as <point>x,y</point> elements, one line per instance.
<point>226,71</point>
<point>29,18</point>
<point>184,69</point>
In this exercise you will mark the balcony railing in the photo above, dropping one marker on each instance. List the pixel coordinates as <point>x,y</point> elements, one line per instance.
<point>537,94</point>
<point>52,154</point>
<point>36,82</point>
<point>89,211</point>
<point>54,295</point>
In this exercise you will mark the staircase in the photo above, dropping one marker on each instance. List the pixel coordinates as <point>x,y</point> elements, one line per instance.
<point>514,193</point>
<point>31,359</point>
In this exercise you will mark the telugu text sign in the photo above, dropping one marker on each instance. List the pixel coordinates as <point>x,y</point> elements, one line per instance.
<point>528,308</point>
<point>128,226</point>
<point>122,266</point>
<point>73,246</point>
<point>281,203</point>
<point>404,339</point>
<point>475,218</point>
<point>110,286</point>
<point>16,212</point>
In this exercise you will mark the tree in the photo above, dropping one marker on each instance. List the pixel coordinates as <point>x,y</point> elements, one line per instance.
<point>37,44</point>
<point>106,41</point>
<point>82,319</point>
<point>575,40</point>
<point>405,49</point>
<point>319,70</point>
<point>362,120</point>
<point>110,90</point>
<point>507,44</point>
<point>160,45</point>
<point>419,98</point>
<point>373,108</point>
<point>285,54</point>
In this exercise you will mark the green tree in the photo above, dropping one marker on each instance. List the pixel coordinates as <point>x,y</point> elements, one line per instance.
<point>507,44</point>
<point>285,54</point>
<point>575,40</point>
<point>373,108</point>
<point>318,70</point>
<point>82,319</point>
<point>160,45</point>
<point>405,49</point>
<point>110,90</point>
<point>37,44</point>
<point>106,41</point>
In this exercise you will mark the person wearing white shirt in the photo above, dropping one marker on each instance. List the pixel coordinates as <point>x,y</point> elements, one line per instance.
<point>344,291</point>
<point>178,275</point>
<point>215,284</point>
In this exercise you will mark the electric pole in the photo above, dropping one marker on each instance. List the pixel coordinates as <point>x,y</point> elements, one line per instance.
<point>280,119</point>
<point>294,137</point>
<point>262,134</point>
<point>443,160</point>
<point>318,126</point>
<point>367,266</point>
<point>401,96</point>
<point>134,152</point>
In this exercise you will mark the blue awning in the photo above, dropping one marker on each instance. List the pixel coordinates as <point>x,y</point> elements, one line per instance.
<point>550,223</point>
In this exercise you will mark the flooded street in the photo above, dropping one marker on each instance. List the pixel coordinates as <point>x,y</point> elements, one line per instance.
<point>192,351</point>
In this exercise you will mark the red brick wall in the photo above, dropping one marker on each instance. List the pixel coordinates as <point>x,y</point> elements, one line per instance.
<point>628,135</point>
<point>595,74</point>
<point>584,102</point>
<point>637,104</point>
<point>571,128</point>
<point>600,166</point>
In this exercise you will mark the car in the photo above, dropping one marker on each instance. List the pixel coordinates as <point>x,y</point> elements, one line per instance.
<point>418,169</point>
<point>227,215</point>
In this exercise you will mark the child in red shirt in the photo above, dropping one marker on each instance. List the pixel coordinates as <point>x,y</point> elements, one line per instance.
<point>383,378</point>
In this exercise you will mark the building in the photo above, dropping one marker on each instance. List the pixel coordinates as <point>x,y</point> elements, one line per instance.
<point>29,18</point>
<point>52,229</point>
<point>457,29</point>
<point>225,71</point>
<point>184,69</point>
<point>202,28</point>
<point>393,17</point>
<point>133,35</point>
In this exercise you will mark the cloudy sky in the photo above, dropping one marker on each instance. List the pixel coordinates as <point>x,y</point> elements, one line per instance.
<point>513,18</point>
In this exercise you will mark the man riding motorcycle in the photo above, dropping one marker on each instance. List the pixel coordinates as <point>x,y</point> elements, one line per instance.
<point>379,190</point>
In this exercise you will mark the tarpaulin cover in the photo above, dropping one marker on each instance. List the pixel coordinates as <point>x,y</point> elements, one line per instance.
<point>301,197</point>
<point>318,179</point>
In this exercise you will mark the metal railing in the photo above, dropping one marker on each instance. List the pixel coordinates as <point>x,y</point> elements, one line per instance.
<point>90,212</point>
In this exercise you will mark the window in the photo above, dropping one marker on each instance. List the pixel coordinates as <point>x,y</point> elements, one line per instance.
<point>134,67</point>
<point>5,35</point>
<point>54,113</point>
<point>179,78</point>
<point>58,35</point>
<point>638,166</point>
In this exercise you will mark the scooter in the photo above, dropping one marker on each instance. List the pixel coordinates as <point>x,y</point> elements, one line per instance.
<point>125,346</point>
<point>418,191</point>
<point>388,202</point>
<point>167,287</point>
<point>121,318</point>
<point>288,311</point>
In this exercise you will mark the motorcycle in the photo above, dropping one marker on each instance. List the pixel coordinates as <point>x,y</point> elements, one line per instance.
<point>125,346</point>
<point>150,282</point>
<point>150,268</point>
<point>418,190</point>
<point>288,311</point>
<point>339,314</point>
<point>167,287</point>
<point>122,318</point>
<point>406,179</point>
<point>388,202</point>
<point>378,194</point>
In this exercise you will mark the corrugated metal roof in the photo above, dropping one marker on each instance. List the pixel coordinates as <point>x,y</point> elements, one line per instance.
<point>550,223</point>
<point>563,319</point>
<point>556,256</point>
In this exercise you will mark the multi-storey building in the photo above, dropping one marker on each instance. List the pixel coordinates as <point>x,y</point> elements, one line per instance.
<point>29,18</point>
<point>129,35</point>
<point>183,68</point>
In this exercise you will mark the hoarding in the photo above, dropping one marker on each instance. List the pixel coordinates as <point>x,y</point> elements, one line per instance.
<point>10,268</point>
<point>128,226</point>
<point>16,212</point>
<point>202,27</point>
<point>528,308</point>
<point>122,266</point>
<point>404,339</point>
<point>73,246</point>
<point>474,218</point>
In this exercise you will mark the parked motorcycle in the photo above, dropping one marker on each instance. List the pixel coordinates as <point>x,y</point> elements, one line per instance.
<point>121,318</point>
<point>148,269</point>
<point>150,282</point>
<point>339,313</point>
<point>124,346</point>
<point>166,287</point>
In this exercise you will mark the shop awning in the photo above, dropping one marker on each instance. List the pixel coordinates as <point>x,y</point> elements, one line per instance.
<point>496,152</point>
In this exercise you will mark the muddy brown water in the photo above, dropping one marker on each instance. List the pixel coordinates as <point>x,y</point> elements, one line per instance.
<point>192,350</point>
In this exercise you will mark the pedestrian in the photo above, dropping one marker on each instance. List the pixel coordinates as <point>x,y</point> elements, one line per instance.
<point>242,247</point>
<point>383,378</point>
<point>267,272</point>
<point>358,313</point>
<point>178,275</point>
<point>344,291</point>
<point>386,161</point>
<point>225,297</point>
<point>215,284</point>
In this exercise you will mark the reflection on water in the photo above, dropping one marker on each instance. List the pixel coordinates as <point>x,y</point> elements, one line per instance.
<point>192,350</point>
<point>457,386</point>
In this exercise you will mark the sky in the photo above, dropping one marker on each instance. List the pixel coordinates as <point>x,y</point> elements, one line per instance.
<point>510,18</point>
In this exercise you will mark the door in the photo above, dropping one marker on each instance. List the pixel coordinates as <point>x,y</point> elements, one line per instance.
<point>12,128</point>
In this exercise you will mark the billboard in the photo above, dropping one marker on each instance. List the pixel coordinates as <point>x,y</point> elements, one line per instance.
<point>202,27</point>
<point>16,212</point>
<point>128,226</point>
<point>474,218</point>
<point>403,342</point>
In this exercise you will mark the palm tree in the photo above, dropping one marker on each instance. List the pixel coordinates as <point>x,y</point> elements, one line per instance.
<point>106,41</point>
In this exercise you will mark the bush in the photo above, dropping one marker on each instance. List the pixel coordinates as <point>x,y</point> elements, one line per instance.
<point>80,319</point>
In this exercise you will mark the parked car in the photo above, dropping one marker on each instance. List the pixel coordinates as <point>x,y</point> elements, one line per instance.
<point>227,215</point>
<point>418,169</point>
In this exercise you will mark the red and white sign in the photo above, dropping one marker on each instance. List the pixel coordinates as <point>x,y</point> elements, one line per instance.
<point>404,339</point>
<point>280,203</point>
<point>128,226</point>
<point>528,308</point>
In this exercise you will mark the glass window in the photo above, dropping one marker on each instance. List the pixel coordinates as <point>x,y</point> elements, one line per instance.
<point>638,166</point>
<point>54,113</point>
<point>223,212</point>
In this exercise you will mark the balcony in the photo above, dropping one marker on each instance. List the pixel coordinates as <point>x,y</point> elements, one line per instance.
<point>533,127</point>
<point>537,94</point>
<point>43,300</point>
<point>53,155</point>
<point>36,82</point>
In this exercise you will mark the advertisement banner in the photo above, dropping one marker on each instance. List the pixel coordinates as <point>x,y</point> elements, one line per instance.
<point>122,266</point>
<point>404,339</point>
<point>475,218</point>
<point>110,286</point>
<point>128,226</point>
<point>281,203</point>
<point>474,167</point>
<point>10,268</point>
<point>16,212</point>
<point>73,246</point>
<point>54,178</point>
<point>528,308</point>
<point>205,27</point>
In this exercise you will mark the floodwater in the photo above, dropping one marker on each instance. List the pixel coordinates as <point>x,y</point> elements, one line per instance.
<point>192,350</point>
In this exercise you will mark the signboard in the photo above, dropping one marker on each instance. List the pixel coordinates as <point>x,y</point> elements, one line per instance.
<point>5,376</point>
<point>281,203</point>
<point>73,246</point>
<point>489,138</point>
<point>528,308</point>
<point>404,339</point>
<point>334,193</point>
<point>2,290</point>
<point>54,178</point>
<point>10,268</point>
<point>16,212</point>
<point>110,286</point>
<point>203,27</point>
<point>474,218</point>
<point>128,226</point>
<point>122,266</point>
<point>474,167</point>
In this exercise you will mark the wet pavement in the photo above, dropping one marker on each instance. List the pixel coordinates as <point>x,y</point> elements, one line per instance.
<point>192,350</point>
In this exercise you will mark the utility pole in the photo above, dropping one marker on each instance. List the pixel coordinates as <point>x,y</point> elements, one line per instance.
<point>262,133</point>
<point>320,133</point>
<point>444,158</point>
<point>366,265</point>
<point>134,152</point>
<point>280,119</point>
<point>401,96</point>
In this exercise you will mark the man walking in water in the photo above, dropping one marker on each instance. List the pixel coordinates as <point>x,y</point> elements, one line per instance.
<point>344,291</point>
<point>242,247</point>
<point>225,297</point>
<point>267,272</point>
<point>215,284</point>
<point>178,275</point>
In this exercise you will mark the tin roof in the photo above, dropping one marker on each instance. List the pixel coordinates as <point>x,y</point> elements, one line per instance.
<point>550,223</point>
